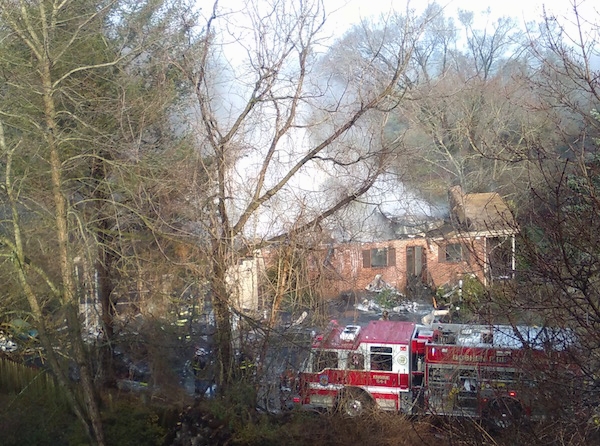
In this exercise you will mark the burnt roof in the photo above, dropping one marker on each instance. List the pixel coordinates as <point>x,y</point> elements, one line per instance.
<point>485,211</point>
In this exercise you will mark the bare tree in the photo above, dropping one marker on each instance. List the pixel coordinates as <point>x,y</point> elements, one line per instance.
<point>488,48</point>
<point>471,123</point>
<point>434,53</point>
<point>271,129</point>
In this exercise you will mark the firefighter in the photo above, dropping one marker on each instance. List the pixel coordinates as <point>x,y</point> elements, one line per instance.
<point>200,360</point>
<point>246,365</point>
<point>287,387</point>
<point>287,380</point>
<point>202,381</point>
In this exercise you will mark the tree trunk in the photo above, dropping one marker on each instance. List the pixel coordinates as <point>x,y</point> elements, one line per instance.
<point>220,301</point>
<point>65,259</point>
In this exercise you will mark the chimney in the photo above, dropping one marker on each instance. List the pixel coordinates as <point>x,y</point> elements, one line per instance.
<point>456,202</point>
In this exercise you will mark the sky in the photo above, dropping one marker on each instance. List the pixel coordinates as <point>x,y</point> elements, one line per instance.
<point>351,11</point>
<point>342,14</point>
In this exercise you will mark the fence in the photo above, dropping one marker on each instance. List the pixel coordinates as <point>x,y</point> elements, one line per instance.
<point>18,379</point>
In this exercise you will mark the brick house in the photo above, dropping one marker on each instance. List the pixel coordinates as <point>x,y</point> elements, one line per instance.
<point>476,239</point>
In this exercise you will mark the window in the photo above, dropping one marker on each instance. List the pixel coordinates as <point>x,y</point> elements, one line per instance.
<point>324,360</point>
<point>381,358</point>
<point>356,361</point>
<point>454,252</point>
<point>379,257</point>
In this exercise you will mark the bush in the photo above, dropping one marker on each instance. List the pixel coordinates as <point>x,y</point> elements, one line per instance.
<point>27,419</point>
<point>130,424</point>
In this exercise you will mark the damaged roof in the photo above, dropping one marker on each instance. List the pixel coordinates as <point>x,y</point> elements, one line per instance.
<point>480,212</point>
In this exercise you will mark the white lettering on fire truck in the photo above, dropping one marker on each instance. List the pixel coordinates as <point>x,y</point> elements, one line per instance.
<point>381,378</point>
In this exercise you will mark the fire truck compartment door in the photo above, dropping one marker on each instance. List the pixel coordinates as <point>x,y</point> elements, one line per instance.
<point>401,359</point>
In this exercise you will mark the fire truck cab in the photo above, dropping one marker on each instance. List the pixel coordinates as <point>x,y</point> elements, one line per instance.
<point>352,367</point>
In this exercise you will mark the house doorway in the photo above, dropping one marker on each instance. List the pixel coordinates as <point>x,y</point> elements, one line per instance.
<point>416,272</point>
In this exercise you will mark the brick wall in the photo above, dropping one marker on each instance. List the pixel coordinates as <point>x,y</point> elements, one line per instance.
<point>350,269</point>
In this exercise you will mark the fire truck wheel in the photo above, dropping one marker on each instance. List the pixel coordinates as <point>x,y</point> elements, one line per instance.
<point>354,402</point>
<point>503,413</point>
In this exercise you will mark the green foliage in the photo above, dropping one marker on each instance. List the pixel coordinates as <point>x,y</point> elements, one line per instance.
<point>472,292</point>
<point>237,407</point>
<point>264,432</point>
<point>34,418</point>
<point>36,413</point>
<point>596,115</point>
<point>131,424</point>
<point>583,186</point>
<point>298,428</point>
<point>386,298</point>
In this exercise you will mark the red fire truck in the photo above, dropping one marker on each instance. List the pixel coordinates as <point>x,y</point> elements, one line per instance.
<point>479,371</point>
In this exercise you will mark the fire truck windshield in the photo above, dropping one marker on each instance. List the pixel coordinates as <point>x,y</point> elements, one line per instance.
<point>322,360</point>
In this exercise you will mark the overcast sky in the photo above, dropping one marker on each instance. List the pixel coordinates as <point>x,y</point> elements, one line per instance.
<point>351,11</point>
